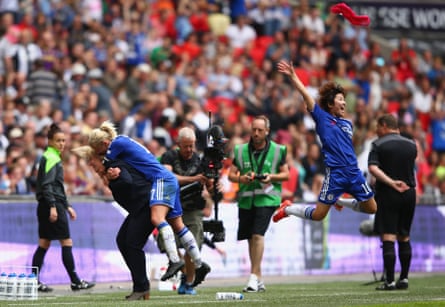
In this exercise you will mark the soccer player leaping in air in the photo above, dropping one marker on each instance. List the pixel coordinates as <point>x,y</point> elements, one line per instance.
<point>342,172</point>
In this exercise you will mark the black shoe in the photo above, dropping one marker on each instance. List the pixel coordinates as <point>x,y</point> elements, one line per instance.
<point>135,296</point>
<point>83,285</point>
<point>172,269</point>
<point>387,287</point>
<point>44,288</point>
<point>402,284</point>
<point>200,274</point>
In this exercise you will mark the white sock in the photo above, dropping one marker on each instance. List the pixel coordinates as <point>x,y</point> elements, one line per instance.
<point>168,238</point>
<point>188,241</point>
<point>351,203</point>
<point>304,212</point>
<point>253,278</point>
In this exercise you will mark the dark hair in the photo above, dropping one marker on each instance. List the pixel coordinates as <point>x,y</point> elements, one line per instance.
<point>53,129</point>
<point>327,94</point>
<point>389,121</point>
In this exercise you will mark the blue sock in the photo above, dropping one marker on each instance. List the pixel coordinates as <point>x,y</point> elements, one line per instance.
<point>308,212</point>
<point>163,224</point>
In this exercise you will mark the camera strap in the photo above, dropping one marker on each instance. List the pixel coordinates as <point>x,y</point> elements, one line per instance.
<point>263,154</point>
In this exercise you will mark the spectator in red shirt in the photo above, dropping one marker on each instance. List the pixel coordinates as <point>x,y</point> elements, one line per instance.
<point>190,47</point>
<point>404,58</point>
<point>199,18</point>
<point>27,23</point>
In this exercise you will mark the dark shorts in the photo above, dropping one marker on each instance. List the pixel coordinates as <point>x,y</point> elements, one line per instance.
<point>395,212</point>
<point>254,221</point>
<point>53,231</point>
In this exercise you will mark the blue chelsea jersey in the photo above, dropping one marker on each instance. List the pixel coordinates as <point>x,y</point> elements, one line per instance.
<point>336,137</point>
<point>130,151</point>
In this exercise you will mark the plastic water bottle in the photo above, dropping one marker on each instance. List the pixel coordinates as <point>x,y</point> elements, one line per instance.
<point>229,296</point>
<point>170,284</point>
<point>3,282</point>
<point>31,286</point>
<point>11,286</point>
<point>28,287</point>
<point>21,279</point>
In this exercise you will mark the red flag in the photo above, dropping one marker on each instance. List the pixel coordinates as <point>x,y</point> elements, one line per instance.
<point>357,20</point>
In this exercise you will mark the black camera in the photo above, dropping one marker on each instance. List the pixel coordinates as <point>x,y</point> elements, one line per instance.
<point>191,196</point>
<point>259,177</point>
<point>216,228</point>
<point>214,153</point>
<point>212,163</point>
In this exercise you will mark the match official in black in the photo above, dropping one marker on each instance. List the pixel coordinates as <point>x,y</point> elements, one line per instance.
<point>391,161</point>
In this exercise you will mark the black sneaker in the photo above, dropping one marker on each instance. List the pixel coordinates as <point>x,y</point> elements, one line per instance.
<point>402,284</point>
<point>201,273</point>
<point>387,287</point>
<point>135,296</point>
<point>44,288</point>
<point>172,269</point>
<point>83,285</point>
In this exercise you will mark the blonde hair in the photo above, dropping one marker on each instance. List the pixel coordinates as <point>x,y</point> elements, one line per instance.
<point>84,152</point>
<point>106,131</point>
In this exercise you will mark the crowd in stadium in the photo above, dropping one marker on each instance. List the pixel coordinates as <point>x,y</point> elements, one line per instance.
<point>153,67</point>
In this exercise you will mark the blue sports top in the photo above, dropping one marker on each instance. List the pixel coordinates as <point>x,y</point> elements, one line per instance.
<point>130,151</point>
<point>336,138</point>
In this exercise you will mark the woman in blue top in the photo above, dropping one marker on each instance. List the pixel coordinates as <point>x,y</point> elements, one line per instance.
<point>342,172</point>
<point>164,195</point>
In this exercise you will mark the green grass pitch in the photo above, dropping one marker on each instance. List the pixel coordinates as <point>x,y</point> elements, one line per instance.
<point>424,290</point>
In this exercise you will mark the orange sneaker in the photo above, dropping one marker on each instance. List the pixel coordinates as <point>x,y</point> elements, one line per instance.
<point>281,213</point>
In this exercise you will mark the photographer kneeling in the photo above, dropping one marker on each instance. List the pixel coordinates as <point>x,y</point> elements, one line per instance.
<point>196,202</point>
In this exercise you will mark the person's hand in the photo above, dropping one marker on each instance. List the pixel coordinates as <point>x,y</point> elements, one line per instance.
<point>201,178</point>
<point>113,173</point>
<point>209,185</point>
<point>267,179</point>
<point>286,68</point>
<point>53,215</point>
<point>247,178</point>
<point>72,213</point>
<point>400,186</point>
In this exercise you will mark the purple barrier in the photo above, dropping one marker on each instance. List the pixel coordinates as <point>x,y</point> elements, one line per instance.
<point>293,246</point>
<point>95,251</point>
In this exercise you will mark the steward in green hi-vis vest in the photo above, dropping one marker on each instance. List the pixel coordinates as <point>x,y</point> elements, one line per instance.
<point>257,193</point>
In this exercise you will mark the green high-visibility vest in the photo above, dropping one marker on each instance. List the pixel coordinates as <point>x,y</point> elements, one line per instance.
<point>257,193</point>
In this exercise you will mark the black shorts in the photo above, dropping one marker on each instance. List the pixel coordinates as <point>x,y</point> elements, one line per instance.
<point>395,212</point>
<point>53,231</point>
<point>254,221</point>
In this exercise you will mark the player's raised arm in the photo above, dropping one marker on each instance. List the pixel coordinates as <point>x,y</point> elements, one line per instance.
<point>288,69</point>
